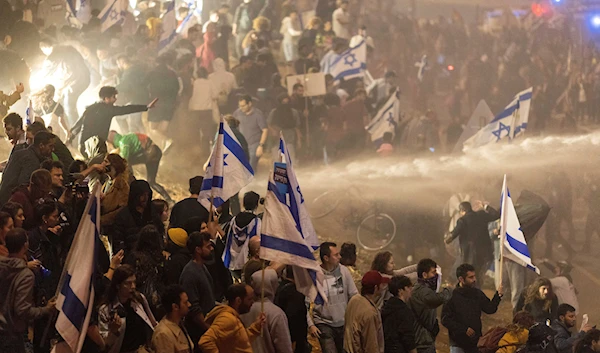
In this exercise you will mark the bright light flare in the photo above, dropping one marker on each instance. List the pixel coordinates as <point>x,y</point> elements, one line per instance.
<point>596,21</point>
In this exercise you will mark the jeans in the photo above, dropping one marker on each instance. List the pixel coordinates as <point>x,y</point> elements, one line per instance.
<point>513,275</point>
<point>331,339</point>
<point>454,349</point>
<point>253,158</point>
<point>151,158</point>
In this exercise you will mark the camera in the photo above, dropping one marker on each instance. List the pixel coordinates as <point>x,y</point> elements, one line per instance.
<point>75,186</point>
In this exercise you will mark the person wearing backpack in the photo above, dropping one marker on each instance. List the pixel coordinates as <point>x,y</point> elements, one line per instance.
<point>16,294</point>
<point>462,314</point>
<point>516,334</point>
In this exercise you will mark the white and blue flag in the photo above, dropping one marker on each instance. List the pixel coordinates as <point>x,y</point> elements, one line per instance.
<point>515,245</point>
<point>287,234</point>
<point>76,293</point>
<point>228,169</point>
<point>29,115</point>
<point>113,13</point>
<point>169,28</point>
<point>84,11</point>
<point>235,255</point>
<point>386,120</point>
<point>507,125</point>
<point>350,64</point>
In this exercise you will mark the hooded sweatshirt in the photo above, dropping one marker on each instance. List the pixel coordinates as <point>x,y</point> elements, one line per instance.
<point>339,288</point>
<point>16,297</point>
<point>223,81</point>
<point>128,222</point>
<point>227,332</point>
<point>276,337</point>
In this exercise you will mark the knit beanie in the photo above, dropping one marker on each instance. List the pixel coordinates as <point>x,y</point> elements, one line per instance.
<point>178,236</point>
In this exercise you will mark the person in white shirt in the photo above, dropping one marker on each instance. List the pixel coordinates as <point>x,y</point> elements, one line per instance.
<point>223,81</point>
<point>362,35</point>
<point>290,29</point>
<point>201,105</point>
<point>341,21</point>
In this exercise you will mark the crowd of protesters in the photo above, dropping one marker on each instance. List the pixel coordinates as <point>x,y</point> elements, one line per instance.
<point>161,280</point>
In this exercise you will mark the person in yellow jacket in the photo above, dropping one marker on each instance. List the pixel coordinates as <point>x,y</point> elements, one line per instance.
<point>517,333</point>
<point>227,333</point>
<point>7,100</point>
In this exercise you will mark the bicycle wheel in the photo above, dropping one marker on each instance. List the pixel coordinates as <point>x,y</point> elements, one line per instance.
<point>376,231</point>
<point>324,204</point>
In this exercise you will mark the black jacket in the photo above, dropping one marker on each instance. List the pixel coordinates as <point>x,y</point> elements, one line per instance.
<point>19,168</point>
<point>563,339</point>
<point>96,119</point>
<point>176,262</point>
<point>463,311</point>
<point>472,231</point>
<point>536,309</point>
<point>398,326</point>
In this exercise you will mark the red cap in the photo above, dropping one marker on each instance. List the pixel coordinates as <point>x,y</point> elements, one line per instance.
<point>374,278</point>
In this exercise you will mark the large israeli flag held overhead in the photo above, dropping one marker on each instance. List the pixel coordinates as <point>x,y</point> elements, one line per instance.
<point>510,123</point>
<point>169,29</point>
<point>113,13</point>
<point>286,234</point>
<point>75,300</point>
<point>350,64</point>
<point>387,118</point>
<point>515,245</point>
<point>228,169</point>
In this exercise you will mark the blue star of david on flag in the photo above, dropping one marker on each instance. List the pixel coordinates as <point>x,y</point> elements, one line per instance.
<point>350,60</point>
<point>501,127</point>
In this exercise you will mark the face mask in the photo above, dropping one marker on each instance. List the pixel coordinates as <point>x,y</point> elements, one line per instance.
<point>430,282</point>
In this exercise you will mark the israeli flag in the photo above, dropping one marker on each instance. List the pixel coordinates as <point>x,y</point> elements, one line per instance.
<point>29,115</point>
<point>228,169</point>
<point>386,120</point>
<point>84,10</point>
<point>76,297</point>
<point>169,28</point>
<point>350,64</point>
<point>507,125</point>
<point>113,14</point>
<point>515,246</point>
<point>236,246</point>
<point>287,234</point>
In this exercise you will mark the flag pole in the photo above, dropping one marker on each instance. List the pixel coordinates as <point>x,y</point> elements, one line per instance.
<point>262,294</point>
<point>502,234</point>
<point>210,212</point>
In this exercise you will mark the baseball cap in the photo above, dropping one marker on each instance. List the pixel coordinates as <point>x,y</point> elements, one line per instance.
<point>374,278</point>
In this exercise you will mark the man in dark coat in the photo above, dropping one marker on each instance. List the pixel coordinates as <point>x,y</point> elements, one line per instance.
<point>472,231</point>
<point>96,119</point>
<point>462,314</point>
<point>22,163</point>
<point>567,319</point>
<point>397,318</point>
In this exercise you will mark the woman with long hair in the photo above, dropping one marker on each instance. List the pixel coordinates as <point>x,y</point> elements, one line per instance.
<point>6,224</point>
<point>590,343</point>
<point>16,212</point>
<point>384,264</point>
<point>148,261</point>
<point>160,216</point>
<point>517,333</point>
<point>46,249</point>
<point>52,112</point>
<point>125,319</point>
<point>539,300</point>
<point>40,186</point>
<point>115,191</point>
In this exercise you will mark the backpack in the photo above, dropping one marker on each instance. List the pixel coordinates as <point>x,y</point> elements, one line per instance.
<point>488,343</point>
